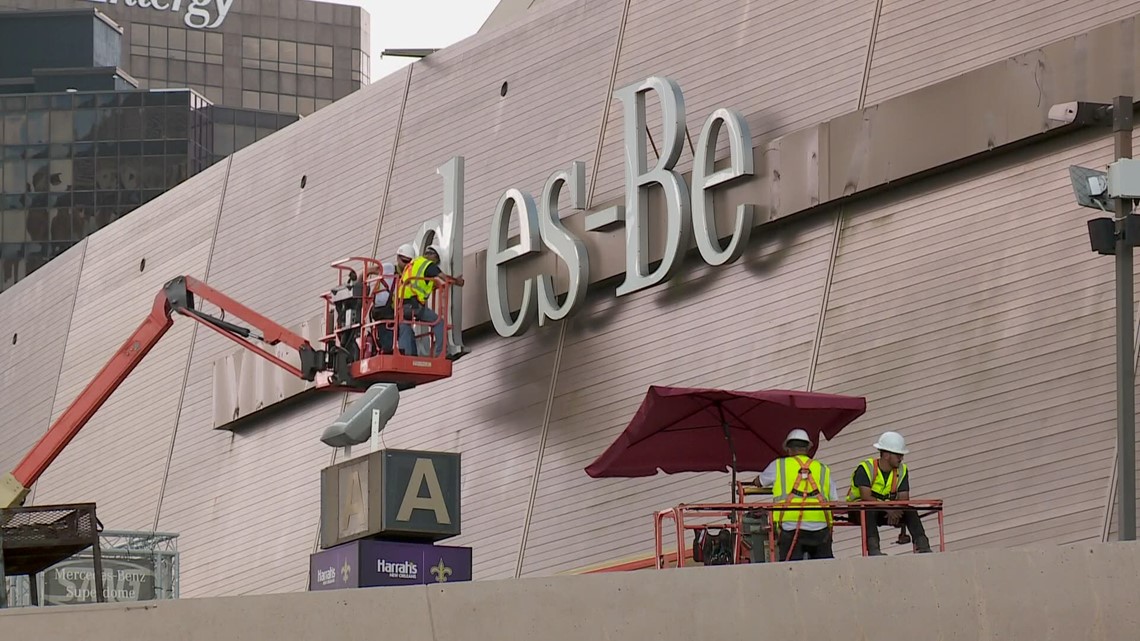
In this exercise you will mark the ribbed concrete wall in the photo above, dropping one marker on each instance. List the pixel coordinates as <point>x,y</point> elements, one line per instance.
<point>1080,592</point>
<point>966,307</point>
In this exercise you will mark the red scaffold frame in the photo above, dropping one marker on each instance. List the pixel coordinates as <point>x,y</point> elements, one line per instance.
<point>733,513</point>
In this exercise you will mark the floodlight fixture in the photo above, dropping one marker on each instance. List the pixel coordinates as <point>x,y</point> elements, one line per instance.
<point>1090,186</point>
<point>368,415</point>
<point>1081,113</point>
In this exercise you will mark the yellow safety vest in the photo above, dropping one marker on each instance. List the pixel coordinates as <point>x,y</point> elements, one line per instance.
<point>421,288</point>
<point>801,481</point>
<point>884,487</point>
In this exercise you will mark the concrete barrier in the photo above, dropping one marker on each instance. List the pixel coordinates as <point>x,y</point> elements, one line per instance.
<point>1084,592</point>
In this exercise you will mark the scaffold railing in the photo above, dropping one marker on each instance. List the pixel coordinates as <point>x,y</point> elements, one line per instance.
<point>731,516</point>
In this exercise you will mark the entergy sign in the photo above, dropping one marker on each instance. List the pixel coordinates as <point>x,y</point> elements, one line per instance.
<point>196,14</point>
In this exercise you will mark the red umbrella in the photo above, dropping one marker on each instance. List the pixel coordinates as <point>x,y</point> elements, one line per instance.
<point>710,430</point>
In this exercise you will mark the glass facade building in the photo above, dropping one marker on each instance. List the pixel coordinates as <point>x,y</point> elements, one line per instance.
<point>81,145</point>
<point>291,56</point>
<point>73,163</point>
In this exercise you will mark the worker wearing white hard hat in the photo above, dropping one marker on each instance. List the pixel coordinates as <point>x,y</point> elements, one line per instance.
<point>886,478</point>
<point>418,279</point>
<point>798,479</point>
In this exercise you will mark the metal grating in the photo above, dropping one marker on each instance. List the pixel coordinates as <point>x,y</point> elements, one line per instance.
<point>35,538</point>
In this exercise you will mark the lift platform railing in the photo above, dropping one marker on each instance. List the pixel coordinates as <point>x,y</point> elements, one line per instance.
<point>729,516</point>
<point>374,342</point>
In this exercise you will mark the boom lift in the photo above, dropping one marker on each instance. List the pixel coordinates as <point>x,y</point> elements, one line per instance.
<point>336,367</point>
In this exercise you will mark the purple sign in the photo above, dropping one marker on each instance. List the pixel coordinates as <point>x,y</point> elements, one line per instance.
<point>367,563</point>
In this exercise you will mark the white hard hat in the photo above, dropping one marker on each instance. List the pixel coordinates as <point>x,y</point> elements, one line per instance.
<point>797,435</point>
<point>891,442</point>
<point>406,250</point>
<point>432,248</point>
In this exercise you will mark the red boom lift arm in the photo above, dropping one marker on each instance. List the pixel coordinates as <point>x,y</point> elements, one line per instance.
<point>177,296</point>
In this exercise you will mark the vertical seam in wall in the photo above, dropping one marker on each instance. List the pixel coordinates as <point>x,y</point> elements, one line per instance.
<point>870,53</point>
<point>562,330</point>
<point>392,161</point>
<point>193,345</point>
<point>837,234</point>
<point>817,342</point>
<point>63,352</point>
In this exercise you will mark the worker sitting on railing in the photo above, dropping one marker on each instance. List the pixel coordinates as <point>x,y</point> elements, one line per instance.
<point>798,479</point>
<point>886,479</point>
<point>419,275</point>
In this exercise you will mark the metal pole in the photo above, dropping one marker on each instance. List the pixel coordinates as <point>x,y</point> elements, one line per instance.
<point>1125,376</point>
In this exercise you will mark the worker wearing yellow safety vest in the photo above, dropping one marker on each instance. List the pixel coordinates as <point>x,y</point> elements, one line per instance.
<point>886,479</point>
<point>799,480</point>
<point>418,276</point>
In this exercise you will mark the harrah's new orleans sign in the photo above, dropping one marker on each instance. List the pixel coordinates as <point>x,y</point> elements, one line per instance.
<point>243,383</point>
<point>199,14</point>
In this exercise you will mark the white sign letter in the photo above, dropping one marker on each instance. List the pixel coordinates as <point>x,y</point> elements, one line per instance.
<point>704,179</point>
<point>498,255</point>
<point>565,245</point>
<point>638,180</point>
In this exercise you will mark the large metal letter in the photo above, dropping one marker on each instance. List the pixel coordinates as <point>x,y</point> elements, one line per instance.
<point>447,234</point>
<point>704,179</point>
<point>498,255</point>
<point>638,180</point>
<point>565,245</point>
<point>422,472</point>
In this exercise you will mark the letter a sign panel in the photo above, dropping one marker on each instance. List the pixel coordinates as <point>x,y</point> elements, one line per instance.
<point>421,494</point>
<point>406,494</point>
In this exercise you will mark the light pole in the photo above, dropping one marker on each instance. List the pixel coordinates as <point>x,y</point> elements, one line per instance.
<point>1125,374</point>
<point>1116,236</point>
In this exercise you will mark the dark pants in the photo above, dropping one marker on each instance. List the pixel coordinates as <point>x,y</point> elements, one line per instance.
<point>809,544</point>
<point>876,520</point>
<point>383,332</point>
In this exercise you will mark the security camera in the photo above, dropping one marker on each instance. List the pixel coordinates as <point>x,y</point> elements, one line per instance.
<point>370,413</point>
<point>1081,113</point>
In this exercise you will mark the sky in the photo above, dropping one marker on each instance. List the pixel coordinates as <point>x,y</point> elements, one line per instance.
<point>419,24</point>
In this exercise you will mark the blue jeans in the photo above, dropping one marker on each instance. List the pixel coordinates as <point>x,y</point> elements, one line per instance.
<point>408,335</point>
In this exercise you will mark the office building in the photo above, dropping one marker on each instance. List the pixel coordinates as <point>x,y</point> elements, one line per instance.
<point>81,146</point>
<point>288,56</point>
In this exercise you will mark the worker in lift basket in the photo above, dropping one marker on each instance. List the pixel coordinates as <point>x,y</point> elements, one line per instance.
<point>797,479</point>
<point>381,281</point>
<point>886,479</point>
<point>347,302</point>
<point>418,278</point>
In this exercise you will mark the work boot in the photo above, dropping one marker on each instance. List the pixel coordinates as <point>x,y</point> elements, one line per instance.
<point>873,548</point>
<point>922,545</point>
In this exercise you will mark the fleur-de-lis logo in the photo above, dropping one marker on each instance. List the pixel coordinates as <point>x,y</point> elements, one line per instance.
<point>441,572</point>
<point>345,570</point>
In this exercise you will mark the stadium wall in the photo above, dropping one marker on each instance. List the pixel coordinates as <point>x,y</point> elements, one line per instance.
<point>1071,592</point>
<point>963,303</point>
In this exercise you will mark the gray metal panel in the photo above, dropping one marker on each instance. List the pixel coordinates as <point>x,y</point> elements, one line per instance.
<point>273,251</point>
<point>36,313</point>
<point>784,65</point>
<point>977,322</point>
<point>713,328</point>
<point>548,119</point>
<point>129,436</point>
<point>920,43</point>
